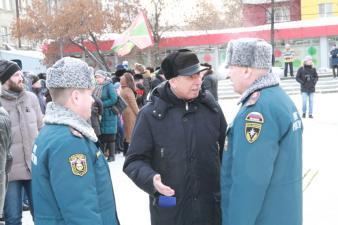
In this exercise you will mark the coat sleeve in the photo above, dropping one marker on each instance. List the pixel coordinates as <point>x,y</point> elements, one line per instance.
<point>5,143</point>
<point>315,76</point>
<point>76,195</point>
<point>252,168</point>
<point>38,111</point>
<point>139,156</point>
<point>131,100</point>
<point>298,76</point>
<point>223,128</point>
<point>112,96</point>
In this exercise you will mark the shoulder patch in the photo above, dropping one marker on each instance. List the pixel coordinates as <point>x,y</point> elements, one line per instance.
<point>253,98</point>
<point>255,117</point>
<point>78,163</point>
<point>75,133</point>
<point>253,126</point>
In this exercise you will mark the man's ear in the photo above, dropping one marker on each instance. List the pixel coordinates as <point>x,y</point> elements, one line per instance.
<point>74,96</point>
<point>172,82</point>
<point>247,73</point>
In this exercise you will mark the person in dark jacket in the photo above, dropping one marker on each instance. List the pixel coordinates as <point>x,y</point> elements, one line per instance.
<point>210,81</point>
<point>307,77</point>
<point>174,154</point>
<point>38,91</point>
<point>71,178</point>
<point>157,79</point>
<point>334,60</point>
<point>95,118</point>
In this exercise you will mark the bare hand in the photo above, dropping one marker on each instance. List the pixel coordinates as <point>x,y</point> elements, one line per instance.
<point>161,188</point>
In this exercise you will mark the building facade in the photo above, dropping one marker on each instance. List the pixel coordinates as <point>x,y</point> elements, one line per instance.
<point>7,15</point>
<point>258,12</point>
<point>319,8</point>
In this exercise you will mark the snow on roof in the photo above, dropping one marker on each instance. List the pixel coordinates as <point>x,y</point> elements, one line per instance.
<point>33,54</point>
<point>293,24</point>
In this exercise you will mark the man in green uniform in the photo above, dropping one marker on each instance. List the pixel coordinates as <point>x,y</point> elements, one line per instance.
<point>71,180</point>
<point>261,176</point>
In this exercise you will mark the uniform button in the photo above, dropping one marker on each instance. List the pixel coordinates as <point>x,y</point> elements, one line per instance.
<point>185,119</point>
<point>195,198</point>
<point>160,115</point>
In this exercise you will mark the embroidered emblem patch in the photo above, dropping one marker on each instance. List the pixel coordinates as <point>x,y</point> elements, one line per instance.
<point>255,117</point>
<point>252,131</point>
<point>253,126</point>
<point>78,164</point>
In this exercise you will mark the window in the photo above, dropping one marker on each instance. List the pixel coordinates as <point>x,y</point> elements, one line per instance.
<point>4,34</point>
<point>8,5</point>
<point>325,10</point>
<point>282,14</point>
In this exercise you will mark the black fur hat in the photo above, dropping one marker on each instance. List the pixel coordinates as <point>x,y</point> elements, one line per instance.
<point>181,63</point>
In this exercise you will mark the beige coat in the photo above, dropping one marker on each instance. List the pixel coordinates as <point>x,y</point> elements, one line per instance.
<point>26,120</point>
<point>130,113</point>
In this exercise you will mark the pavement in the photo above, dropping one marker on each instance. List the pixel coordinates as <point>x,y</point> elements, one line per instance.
<point>320,183</point>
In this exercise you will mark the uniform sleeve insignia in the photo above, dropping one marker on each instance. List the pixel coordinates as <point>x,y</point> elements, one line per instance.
<point>252,131</point>
<point>255,117</point>
<point>253,98</point>
<point>253,126</point>
<point>76,133</point>
<point>78,164</point>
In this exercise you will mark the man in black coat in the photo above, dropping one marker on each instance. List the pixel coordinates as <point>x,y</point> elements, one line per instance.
<point>174,154</point>
<point>334,60</point>
<point>307,77</point>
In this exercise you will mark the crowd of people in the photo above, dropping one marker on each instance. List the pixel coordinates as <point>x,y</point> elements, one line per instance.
<point>59,131</point>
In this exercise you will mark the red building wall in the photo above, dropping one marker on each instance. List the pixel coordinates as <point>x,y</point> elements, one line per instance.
<point>255,14</point>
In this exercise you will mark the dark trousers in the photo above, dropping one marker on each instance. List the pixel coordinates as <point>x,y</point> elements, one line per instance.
<point>335,71</point>
<point>288,64</point>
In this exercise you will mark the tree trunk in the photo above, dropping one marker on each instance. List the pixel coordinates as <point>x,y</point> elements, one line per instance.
<point>103,60</point>
<point>91,55</point>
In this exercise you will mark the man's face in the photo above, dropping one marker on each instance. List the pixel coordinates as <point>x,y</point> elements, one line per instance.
<point>15,83</point>
<point>237,77</point>
<point>85,101</point>
<point>187,87</point>
<point>308,62</point>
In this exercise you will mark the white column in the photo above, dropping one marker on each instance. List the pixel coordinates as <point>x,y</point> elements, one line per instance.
<point>324,53</point>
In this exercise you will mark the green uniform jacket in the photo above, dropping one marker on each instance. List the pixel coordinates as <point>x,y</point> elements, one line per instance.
<point>261,176</point>
<point>71,181</point>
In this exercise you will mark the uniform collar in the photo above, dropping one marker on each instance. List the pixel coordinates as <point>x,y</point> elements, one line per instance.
<point>271,79</point>
<point>57,114</point>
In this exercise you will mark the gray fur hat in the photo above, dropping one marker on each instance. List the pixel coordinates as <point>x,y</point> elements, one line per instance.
<point>101,73</point>
<point>70,73</point>
<point>249,52</point>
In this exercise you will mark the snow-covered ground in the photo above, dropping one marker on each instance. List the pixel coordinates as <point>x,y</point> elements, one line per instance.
<point>320,156</point>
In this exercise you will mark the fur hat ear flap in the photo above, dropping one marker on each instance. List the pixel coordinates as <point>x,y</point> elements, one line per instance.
<point>167,66</point>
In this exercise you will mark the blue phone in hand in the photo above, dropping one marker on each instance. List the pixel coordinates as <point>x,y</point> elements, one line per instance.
<point>166,201</point>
